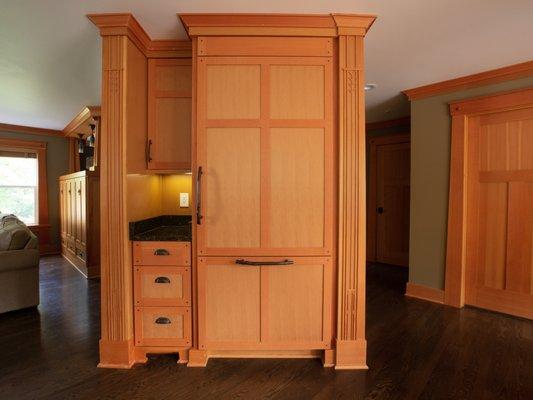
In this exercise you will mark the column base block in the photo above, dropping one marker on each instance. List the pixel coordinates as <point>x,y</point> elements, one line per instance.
<point>351,354</point>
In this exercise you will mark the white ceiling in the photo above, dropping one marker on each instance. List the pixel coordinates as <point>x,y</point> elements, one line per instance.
<point>50,52</point>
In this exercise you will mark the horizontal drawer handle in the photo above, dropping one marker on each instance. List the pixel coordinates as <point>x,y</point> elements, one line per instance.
<point>246,262</point>
<point>162,279</point>
<point>161,252</point>
<point>163,321</point>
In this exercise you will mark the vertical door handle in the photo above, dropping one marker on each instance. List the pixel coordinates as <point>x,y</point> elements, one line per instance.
<point>149,151</point>
<point>199,215</point>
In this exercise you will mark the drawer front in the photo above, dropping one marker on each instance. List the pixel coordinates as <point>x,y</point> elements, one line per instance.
<point>162,253</point>
<point>163,326</point>
<point>162,286</point>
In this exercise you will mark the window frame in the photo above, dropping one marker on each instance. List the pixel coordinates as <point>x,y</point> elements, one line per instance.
<point>42,184</point>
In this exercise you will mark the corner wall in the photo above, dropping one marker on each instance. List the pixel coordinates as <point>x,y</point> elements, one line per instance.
<point>430,171</point>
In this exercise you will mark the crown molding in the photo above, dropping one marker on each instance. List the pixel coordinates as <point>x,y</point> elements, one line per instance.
<point>511,72</point>
<point>125,24</point>
<point>502,101</point>
<point>326,25</point>
<point>82,118</point>
<point>30,130</point>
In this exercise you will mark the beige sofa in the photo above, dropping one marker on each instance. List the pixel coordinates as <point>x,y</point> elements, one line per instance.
<point>19,265</point>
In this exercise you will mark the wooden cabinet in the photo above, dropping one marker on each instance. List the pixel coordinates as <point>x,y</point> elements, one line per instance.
<point>162,295</point>
<point>265,146</point>
<point>250,307</point>
<point>169,114</point>
<point>80,221</point>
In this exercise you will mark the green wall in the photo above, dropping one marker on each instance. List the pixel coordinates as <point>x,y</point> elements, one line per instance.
<point>430,166</point>
<point>57,165</point>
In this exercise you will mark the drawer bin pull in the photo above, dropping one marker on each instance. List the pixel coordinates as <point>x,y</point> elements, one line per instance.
<point>246,262</point>
<point>162,279</point>
<point>161,252</point>
<point>163,321</point>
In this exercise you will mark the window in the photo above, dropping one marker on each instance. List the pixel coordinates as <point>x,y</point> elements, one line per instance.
<point>19,193</point>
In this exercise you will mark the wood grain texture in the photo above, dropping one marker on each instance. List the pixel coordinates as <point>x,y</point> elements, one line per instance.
<point>489,242</point>
<point>351,343</point>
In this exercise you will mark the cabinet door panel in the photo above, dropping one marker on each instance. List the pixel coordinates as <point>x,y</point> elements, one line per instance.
<point>169,114</point>
<point>231,201</point>
<point>297,302</point>
<point>229,303</point>
<point>297,187</point>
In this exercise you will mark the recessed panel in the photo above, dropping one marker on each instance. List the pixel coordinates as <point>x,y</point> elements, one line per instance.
<point>233,91</point>
<point>232,303</point>
<point>297,91</point>
<point>297,187</point>
<point>174,78</point>
<point>232,187</point>
<point>173,124</point>
<point>295,303</point>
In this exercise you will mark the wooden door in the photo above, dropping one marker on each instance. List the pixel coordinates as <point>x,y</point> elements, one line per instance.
<point>78,209</point>
<point>169,114</point>
<point>82,201</point>
<point>265,146</point>
<point>264,307</point>
<point>499,274</point>
<point>393,194</point>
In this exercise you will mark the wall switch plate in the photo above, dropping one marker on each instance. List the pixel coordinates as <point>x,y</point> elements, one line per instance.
<point>184,199</point>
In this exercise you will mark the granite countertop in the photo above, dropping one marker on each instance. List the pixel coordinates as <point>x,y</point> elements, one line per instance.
<point>165,228</point>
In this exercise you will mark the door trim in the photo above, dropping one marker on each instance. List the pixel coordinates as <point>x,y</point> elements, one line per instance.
<point>458,221</point>
<point>393,138</point>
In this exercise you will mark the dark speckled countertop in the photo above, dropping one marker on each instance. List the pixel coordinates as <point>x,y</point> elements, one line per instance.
<point>165,228</point>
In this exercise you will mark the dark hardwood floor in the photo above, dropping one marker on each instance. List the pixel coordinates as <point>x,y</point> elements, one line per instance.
<point>416,350</point>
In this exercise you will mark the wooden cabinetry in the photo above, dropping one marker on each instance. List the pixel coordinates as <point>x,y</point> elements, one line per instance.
<point>80,221</point>
<point>265,146</point>
<point>162,296</point>
<point>169,114</point>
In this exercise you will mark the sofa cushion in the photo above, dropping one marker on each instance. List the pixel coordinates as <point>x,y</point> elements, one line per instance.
<point>14,235</point>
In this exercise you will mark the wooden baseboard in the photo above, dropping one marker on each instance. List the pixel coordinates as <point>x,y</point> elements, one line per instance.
<point>424,293</point>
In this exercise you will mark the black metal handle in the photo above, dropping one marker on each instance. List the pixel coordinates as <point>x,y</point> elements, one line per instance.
<point>162,279</point>
<point>246,262</point>
<point>199,215</point>
<point>380,210</point>
<point>149,151</point>
<point>163,321</point>
<point>161,252</point>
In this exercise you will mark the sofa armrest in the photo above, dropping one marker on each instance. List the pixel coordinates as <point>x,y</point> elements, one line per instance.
<point>18,259</point>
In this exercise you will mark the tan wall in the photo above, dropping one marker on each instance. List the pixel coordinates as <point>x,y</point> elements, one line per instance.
<point>430,163</point>
<point>56,165</point>
<point>172,186</point>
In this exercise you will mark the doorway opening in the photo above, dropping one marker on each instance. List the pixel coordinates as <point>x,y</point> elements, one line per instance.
<point>388,199</point>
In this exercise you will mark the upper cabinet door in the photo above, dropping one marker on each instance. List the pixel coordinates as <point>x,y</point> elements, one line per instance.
<point>169,114</point>
<point>265,146</point>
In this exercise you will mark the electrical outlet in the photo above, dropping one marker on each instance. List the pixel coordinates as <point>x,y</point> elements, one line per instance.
<point>184,200</point>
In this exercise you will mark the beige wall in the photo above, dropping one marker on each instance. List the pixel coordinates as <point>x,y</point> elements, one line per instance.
<point>56,165</point>
<point>430,163</point>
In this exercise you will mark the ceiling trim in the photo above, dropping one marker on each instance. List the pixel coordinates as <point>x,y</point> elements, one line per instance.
<point>30,130</point>
<point>390,123</point>
<point>125,24</point>
<point>508,73</point>
<point>88,113</point>
<point>325,25</point>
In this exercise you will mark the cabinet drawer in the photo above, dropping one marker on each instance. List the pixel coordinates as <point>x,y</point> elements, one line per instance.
<point>163,326</point>
<point>162,253</point>
<point>162,286</point>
